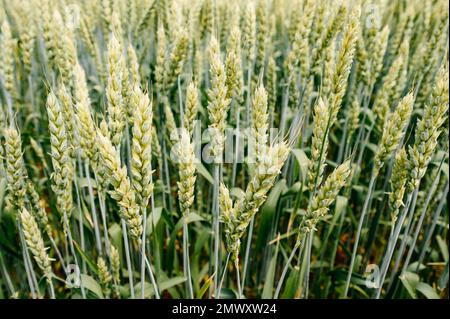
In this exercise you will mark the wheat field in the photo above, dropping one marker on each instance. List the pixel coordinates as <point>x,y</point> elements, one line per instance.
<point>224,149</point>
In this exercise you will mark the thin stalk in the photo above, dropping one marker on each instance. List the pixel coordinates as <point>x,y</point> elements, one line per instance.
<point>186,260</point>
<point>27,265</point>
<point>375,220</point>
<point>128,257</point>
<point>51,288</point>
<point>404,240</point>
<point>419,224</point>
<point>416,233</point>
<point>285,269</point>
<point>334,251</point>
<point>392,242</point>
<point>216,225</point>
<point>430,231</point>
<point>237,146</point>
<point>342,145</point>
<point>223,275</point>
<point>166,171</point>
<point>143,239</point>
<point>358,232</point>
<point>247,250</point>
<point>152,278</point>
<point>58,253</point>
<point>152,205</point>
<point>98,240</point>
<point>80,220</point>
<point>238,280</point>
<point>101,199</point>
<point>361,151</point>
<point>308,262</point>
<point>72,249</point>
<point>9,283</point>
<point>284,107</point>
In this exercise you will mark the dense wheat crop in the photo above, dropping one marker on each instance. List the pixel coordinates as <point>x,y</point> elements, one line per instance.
<point>224,149</point>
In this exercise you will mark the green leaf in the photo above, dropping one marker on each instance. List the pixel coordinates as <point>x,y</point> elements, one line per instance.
<point>205,287</point>
<point>172,282</point>
<point>92,265</point>
<point>156,215</point>
<point>267,214</point>
<point>115,232</point>
<point>427,291</point>
<point>413,266</point>
<point>190,218</point>
<point>443,246</point>
<point>270,276</point>
<point>410,281</point>
<point>293,190</point>
<point>201,169</point>
<point>341,205</point>
<point>302,161</point>
<point>291,289</point>
<point>164,285</point>
<point>443,279</point>
<point>92,285</point>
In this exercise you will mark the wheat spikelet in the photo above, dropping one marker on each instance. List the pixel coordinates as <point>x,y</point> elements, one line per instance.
<point>271,84</point>
<point>141,146</point>
<point>248,31</point>
<point>332,29</point>
<point>62,166</point>
<point>377,53</point>
<point>255,194</point>
<point>319,144</point>
<point>261,35</point>
<point>104,276</point>
<point>428,130</point>
<point>160,65</point>
<point>325,196</point>
<point>398,182</point>
<point>191,109</point>
<point>134,66</point>
<point>27,39</point>
<point>8,46</point>
<point>38,209</point>
<point>35,243</point>
<point>343,65</point>
<point>260,121</point>
<point>186,185</point>
<point>115,265</point>
<point>353,116</point>
<point>218,103</point>
<point>328,69</point>
<point>16,173</point>
<point>106,15</point>
<point>393,130</point>
<point>387,93</point>
<point>233,65</point>
<point>84,122</point>
<point>68,112</point>
<point>116,115</point>
<point>65,54</point>
<point>177,58</point>
<point>122,191</point>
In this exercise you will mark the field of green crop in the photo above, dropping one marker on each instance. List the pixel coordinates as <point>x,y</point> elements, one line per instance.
<point>224,149</point>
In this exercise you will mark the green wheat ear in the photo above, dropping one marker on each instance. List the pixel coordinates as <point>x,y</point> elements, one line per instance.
<point>35,243</point>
